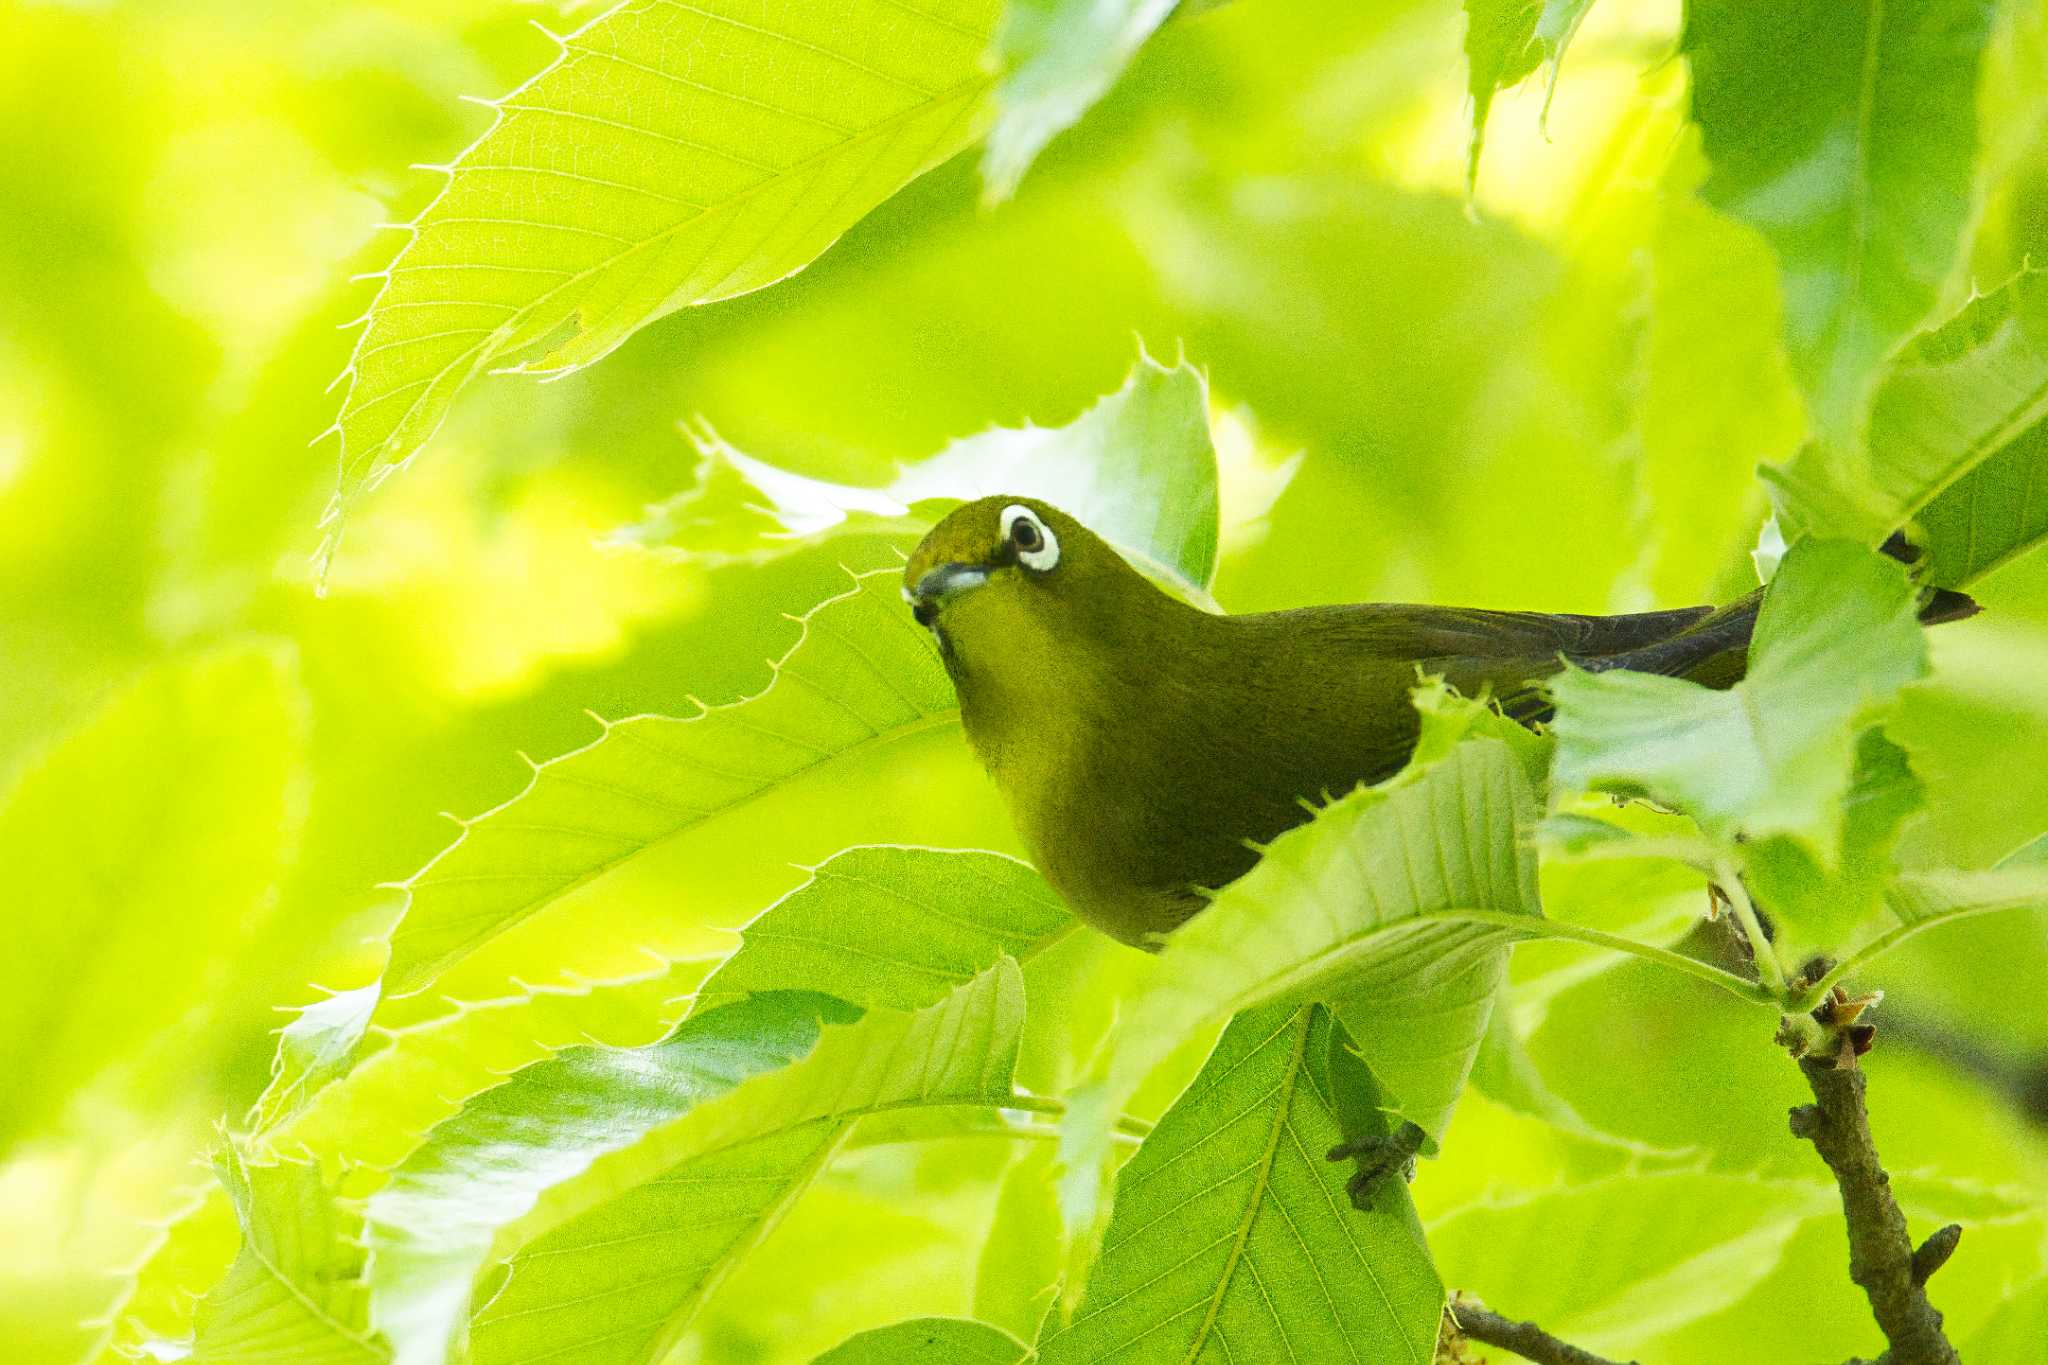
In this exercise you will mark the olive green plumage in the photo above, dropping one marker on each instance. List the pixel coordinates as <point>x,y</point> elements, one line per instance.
<point>1143,745</point>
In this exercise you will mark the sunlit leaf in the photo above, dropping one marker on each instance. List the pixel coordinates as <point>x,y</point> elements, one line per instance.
<point>1059,57</point>
<point>2017,1328</point>
<point>1500,50</point>
<point>432,1225</point>
<point>296,1292</point>
<point>1918,901</point>
<point>673,154</point>
<point>317,1046</point>
<point>1617,1261</point>
<point>1846,135</point>
<point>1233,1237</point>
<point>895,928</point>
<point>140,851</point>
<point>1506,40</point>
<point>1362,904</point>
<point>1504,1072</point>
<point>1963,419</point>
<point>1017,1278</point>
<point>661,1223</point>
<point>152,1314</point>
<point>408,1075</point>
<point>1716,395</point>
<point>1835,641</point>
<point>1956,440</point>
<point>863,675</point>
<point>1824,903</point>
<point>1138,468</point>
<point>928,1341</point>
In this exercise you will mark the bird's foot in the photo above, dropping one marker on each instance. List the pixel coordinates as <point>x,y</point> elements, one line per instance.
<point>1378,1159</point>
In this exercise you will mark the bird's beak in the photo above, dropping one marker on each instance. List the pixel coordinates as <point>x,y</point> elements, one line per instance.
<point>941,585</point>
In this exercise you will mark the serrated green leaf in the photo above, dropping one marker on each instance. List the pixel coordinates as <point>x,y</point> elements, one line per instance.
<point>1058,58</point>
<point>141,851</point>
<point>316,1047</point>
<point>862,675</point>
<point>1961,426</point>
<point>1919,901</point>
<point>1846,135</point>
<point>1500,50</point>
<point>295,1294</point>
<point>673,154</point>
<point>1505,41</point>
<point>1623,1258</point>
<point>151,1317</point>
<point>895,928</point>
<point>432,1225</point>
<point>661,1223</point>
<point>1362,903</point>
<point>1233,1237</point>
<point>408,1076</point>
<point>1956,439</point>
<point>1836,639</point>
<point>928,1341</point>
<point>1138,468</point>
<point>1819,904</point>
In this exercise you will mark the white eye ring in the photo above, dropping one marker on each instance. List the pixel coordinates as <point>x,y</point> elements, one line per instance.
<point>1036,546</point>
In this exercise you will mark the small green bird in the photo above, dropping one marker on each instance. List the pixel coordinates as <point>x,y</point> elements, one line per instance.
<point>1143,745</point>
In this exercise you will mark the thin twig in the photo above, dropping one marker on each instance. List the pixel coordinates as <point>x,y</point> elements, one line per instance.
<point>1525,1339</point>
<point>1882,1261</point>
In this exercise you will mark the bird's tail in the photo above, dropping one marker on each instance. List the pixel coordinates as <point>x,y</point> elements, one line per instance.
<point>1715,650</point>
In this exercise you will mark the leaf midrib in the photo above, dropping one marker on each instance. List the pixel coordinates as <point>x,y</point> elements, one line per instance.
<point>1260,1184</point>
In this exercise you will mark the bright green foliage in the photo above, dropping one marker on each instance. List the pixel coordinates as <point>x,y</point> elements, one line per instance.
<point>673,154</point>
<point>1233,1238</point>
<point>1828,899</point>
<point>929,1341</point>
<point>316,1047</point>
<point>1954,440</point>
<point>1844,134</point>
<point>1059,56</point>
<point>1017,1280</point>
<point>160,1294</point>
<point>863,675</point>
<point>1717,396</point>
<point>1506,40</point>
<point>1547,390</point>
<point>692,1198</point>
<point>150,836</point>
<point>895,928</point>
<point>1372,900</point>
<point>296,1292</point>
<point>432,1225</point>
<point>1834,643</point>
<point>1616,1262</point>
<point>1961,426</point>
<point>1138,468</point>
<point>407,1076</point>
<point>1500,50</point>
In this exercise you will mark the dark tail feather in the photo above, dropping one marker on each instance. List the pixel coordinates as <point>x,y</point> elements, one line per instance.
<point>1716,651</point>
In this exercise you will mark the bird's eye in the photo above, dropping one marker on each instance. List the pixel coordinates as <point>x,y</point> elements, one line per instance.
<point>1036,546</point>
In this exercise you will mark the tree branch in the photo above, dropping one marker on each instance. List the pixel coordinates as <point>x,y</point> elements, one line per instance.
<point>1525,1339</point>
<point>1882,1261</point>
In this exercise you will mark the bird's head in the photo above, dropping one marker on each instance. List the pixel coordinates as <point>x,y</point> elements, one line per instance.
<point>1010,573</point>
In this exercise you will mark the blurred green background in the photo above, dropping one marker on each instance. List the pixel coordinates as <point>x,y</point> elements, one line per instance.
<point>1553,397</point>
